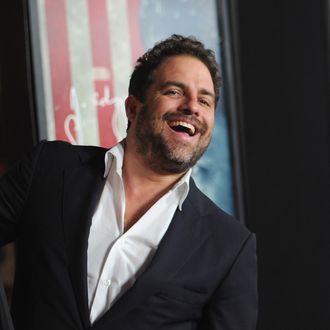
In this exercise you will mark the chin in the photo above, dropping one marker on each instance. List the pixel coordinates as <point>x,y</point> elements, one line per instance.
<point>179,161</point>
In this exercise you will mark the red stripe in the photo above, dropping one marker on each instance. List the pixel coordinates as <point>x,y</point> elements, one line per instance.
<point>58,48</point>
<point>137,45</point>
<point>99,27</point>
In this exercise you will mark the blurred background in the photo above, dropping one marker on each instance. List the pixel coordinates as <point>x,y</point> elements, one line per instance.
<point>64,70</point>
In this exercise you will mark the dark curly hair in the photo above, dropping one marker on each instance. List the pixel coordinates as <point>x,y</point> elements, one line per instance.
<point>142,77</point>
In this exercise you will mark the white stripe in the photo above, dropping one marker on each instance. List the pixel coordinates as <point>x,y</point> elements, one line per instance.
<point>120,45</point>
<point>46,75</point>
<point>82,91</point>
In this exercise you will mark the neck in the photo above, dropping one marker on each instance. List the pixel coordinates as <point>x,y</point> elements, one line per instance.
<point>137,174</point>
<point>143,186</point>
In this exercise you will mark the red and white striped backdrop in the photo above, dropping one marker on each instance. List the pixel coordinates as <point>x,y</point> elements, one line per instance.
<point>88,51</point>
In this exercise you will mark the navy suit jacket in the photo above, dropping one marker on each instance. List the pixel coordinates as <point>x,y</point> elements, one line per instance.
<point>203,275</point>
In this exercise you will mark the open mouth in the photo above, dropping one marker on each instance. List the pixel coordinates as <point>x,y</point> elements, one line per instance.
<point>184,127</point>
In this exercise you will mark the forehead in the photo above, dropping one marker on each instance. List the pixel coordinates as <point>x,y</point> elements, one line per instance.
<point>185,68</point>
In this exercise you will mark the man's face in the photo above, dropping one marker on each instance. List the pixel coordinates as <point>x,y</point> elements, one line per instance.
<point>174,125</point>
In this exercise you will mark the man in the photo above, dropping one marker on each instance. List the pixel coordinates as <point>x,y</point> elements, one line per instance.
<point>123,239</point>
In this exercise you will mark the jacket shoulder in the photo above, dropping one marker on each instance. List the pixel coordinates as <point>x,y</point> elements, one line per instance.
<point>62,154</point>
<point>220,223</point>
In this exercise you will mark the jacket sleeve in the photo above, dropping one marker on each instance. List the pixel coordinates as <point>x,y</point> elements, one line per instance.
<point>234,304</point>
<point>14,189</point>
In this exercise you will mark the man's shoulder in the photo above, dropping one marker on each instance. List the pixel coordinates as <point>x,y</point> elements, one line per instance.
<point>63,146</point>
<point>59,155</point>
<point>219,222</point>
<point>68,152</point>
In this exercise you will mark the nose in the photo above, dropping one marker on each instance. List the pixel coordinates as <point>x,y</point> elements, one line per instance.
<point>190,106</point>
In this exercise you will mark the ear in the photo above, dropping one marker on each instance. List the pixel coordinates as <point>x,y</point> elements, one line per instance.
<point>132,107</point>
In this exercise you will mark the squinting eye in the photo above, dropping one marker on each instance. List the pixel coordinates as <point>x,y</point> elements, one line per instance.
<point>205,102</point>
<point>173,92</point>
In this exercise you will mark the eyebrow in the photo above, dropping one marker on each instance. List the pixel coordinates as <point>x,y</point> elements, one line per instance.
<point>179,84</point>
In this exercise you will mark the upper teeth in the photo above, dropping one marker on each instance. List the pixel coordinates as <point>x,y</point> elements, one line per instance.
<point>184,124</point>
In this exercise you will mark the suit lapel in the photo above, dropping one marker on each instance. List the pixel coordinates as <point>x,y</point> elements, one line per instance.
<point>183,238</point>
<point>82,188</point>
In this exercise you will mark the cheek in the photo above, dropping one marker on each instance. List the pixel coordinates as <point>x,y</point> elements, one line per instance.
<point>209,119</point>
<point>162,105</point>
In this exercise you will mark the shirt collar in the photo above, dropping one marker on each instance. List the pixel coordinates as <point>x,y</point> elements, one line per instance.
<point>182,188</point>
<point>116,154</point>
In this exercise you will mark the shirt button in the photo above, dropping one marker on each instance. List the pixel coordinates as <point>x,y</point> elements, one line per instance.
<point>107,282</point>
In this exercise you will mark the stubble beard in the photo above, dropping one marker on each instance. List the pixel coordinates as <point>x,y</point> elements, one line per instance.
<point>161,154</point>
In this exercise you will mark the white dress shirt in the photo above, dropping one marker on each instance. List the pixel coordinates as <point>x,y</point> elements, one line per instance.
<point>116,258</point>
